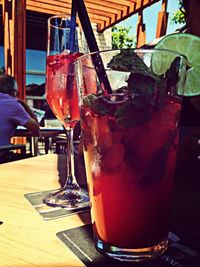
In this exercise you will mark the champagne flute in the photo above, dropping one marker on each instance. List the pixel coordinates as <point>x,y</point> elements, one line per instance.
<point>62,97</point>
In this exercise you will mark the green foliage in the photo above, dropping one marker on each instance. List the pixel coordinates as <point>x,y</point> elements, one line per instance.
<point>178,17</point>
<point>121,37</point>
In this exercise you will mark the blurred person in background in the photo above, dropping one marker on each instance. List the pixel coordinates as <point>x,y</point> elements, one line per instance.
<point>13,112</point>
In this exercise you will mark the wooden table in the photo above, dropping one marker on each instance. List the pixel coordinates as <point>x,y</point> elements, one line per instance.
<point>25,238</point>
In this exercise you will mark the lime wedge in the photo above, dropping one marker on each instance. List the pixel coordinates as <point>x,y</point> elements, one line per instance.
<point>188,45</point>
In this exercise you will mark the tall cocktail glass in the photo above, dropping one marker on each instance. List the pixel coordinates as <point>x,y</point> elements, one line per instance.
<point>62,97</point>
<point>130,140</point>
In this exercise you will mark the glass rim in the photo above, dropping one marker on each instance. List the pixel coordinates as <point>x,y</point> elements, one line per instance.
<point>141,50</point>
<point>66,16</point>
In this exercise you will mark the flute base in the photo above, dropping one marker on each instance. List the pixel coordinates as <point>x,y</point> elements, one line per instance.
<point>68,197</point>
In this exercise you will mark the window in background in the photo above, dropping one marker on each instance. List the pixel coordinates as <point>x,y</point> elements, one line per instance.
<point>35,66</point>
<point>1,57</point>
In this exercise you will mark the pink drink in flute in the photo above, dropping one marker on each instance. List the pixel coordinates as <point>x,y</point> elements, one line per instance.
<point>64,104</point>
<point>130,142</point>
<point>62,97</point>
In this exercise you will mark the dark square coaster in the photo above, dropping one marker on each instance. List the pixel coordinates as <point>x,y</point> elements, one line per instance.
<point>80,241</point>
<point>48,212</point>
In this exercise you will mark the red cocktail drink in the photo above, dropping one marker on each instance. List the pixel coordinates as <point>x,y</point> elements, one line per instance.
<point>62,95</point>
<point>130,140</point>
<point>130,173</point>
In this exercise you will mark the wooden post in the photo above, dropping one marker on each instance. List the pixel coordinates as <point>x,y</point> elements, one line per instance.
<point>141,34</point>
<point>162,20</point>
<point>14,19</point>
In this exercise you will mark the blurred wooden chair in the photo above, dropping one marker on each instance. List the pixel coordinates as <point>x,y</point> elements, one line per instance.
<point>50,142</point>
<point>11,152</point>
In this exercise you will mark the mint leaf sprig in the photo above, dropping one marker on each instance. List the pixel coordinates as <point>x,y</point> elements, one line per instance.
<point>145,91</point>
<point>96,104</point>
<point>127,60</point>
<point>105,104</point>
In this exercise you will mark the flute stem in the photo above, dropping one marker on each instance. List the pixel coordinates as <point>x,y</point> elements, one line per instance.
<point>70,158</point>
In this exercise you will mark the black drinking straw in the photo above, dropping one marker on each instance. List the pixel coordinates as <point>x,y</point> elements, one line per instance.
<point>72,28</point>
<point>92,44</point>
<point>70,73</point>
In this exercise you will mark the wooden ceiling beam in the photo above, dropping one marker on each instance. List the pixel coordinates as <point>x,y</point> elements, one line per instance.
<point>67,3</point>
<point>53,10</point>
<point>92,6</point>
<point>103,4</point>
<point>105,13</point>
<point>140,5</point>
<point>95,19</point>
<point>99,16</point>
